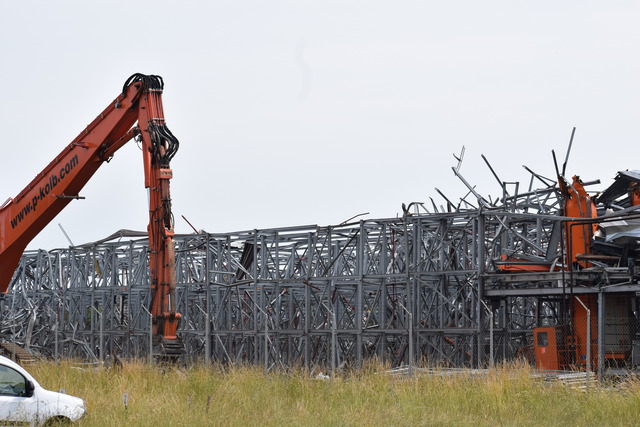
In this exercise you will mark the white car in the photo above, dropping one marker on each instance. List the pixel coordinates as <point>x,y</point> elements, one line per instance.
<point>23,400</point>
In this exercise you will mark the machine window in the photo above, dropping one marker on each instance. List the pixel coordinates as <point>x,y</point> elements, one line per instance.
<point>543,339</point>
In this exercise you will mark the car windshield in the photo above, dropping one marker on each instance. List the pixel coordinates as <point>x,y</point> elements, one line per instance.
<point>12,383</point>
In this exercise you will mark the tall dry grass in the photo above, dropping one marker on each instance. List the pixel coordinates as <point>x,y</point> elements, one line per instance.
<point>240,396</point>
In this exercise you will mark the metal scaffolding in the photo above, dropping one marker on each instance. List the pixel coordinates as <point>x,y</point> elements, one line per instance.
<point>423,288</point>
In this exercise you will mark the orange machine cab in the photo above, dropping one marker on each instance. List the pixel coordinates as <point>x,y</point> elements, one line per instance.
<point>558,347</point>
<point>547,342</point>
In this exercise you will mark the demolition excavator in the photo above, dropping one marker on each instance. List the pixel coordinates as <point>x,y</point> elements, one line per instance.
<point>573,345</point>
<point>137,113</point>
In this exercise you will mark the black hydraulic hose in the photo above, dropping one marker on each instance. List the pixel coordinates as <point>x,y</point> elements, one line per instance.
<point>164,145</point>
<point>149,81</point>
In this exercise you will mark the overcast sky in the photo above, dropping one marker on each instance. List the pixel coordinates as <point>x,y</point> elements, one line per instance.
<point>294,113</point>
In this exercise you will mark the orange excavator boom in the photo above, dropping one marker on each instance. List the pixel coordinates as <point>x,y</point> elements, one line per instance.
<point>24,216</point>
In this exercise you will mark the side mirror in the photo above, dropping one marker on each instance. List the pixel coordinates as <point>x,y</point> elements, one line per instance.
<point>29,388</point>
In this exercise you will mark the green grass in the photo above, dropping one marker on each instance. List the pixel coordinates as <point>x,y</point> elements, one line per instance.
<point>248,396</point>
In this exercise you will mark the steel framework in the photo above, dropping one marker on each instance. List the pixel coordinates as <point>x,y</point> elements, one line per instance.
<point>422,288</point>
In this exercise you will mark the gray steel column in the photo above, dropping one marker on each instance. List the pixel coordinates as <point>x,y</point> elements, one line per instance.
<point>207,305</point>
<point>481,272</point>
<point>601,349</point>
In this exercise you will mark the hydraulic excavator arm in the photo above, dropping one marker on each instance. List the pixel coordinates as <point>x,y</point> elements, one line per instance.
<point>577,204</point>
<point>24,216</point>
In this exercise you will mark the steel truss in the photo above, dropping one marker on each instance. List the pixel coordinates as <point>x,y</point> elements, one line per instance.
<point>423,288</point>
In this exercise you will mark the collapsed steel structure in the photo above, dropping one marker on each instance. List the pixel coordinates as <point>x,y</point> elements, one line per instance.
<point>423,288</point>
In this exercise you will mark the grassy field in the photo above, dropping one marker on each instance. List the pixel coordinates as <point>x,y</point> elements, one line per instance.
<point>249,396</point>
